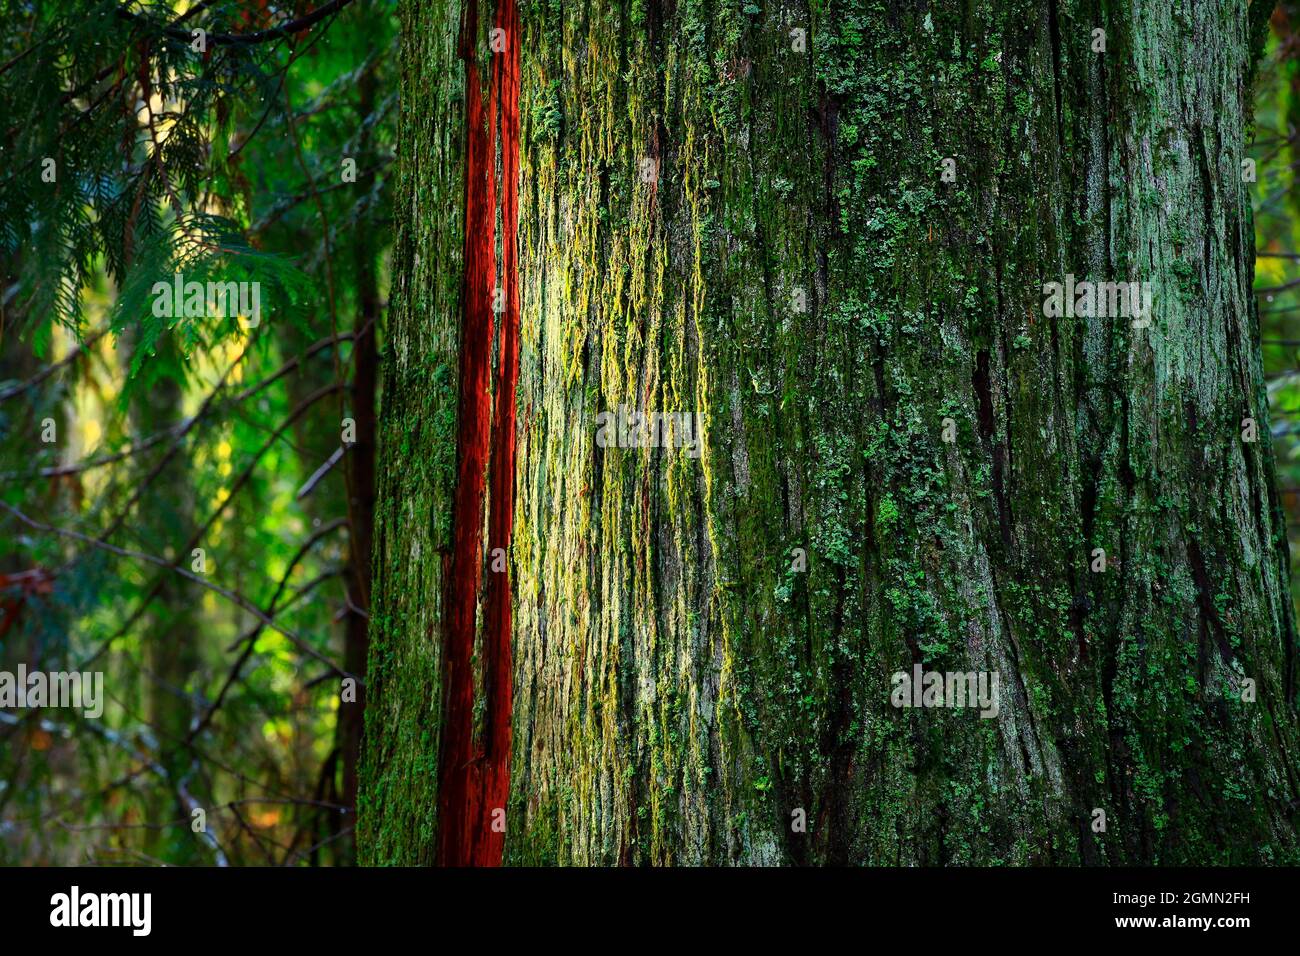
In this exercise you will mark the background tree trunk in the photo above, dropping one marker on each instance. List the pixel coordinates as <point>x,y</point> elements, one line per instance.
<point>360,484</point>
<point>678,687</point>
<point>170,630</point>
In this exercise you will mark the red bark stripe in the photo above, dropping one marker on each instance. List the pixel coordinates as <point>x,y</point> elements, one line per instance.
<point>475,773</point>
<point>505,87</point>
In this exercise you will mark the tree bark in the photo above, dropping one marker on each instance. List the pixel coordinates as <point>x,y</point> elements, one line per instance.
<point>171,653</point>
<point>701,648</point>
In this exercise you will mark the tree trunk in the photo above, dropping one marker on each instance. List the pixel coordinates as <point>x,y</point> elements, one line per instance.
<point>906,457</point>
<point>170,627</point>
<point>360,480</point>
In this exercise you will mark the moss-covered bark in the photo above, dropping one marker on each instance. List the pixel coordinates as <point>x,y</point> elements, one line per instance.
<point>681,688</point>
<point>397,805</point>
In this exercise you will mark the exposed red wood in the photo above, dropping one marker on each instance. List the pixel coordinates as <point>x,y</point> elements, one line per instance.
<point>475,771</point>
<point>505,88</point>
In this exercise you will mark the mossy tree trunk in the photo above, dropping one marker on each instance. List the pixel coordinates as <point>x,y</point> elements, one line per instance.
<point>713,220</point>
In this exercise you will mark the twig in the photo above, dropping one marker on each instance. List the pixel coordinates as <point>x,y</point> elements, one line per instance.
<point>244,39</point>
<point>49,370</point>
<point>310,484</point>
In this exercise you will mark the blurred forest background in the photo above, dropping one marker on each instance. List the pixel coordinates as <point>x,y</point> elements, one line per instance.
<point>199,526</point>
<point>264,156</point>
